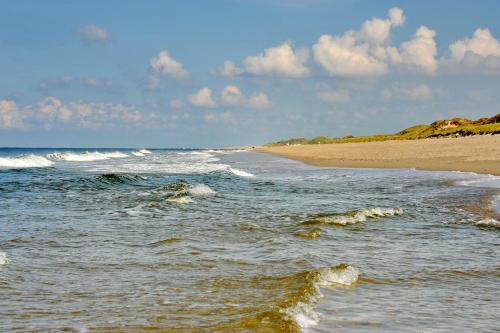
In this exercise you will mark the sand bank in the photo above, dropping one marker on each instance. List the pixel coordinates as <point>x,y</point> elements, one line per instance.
<point>480,154</point>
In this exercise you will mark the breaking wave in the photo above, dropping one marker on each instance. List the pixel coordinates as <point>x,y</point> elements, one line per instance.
<point>3,259</point>
<point>201,190</point>
<point>24,161</point>
<point>488,222</point>
<point>240,173</point>
<point>86,156</point>
<point>302,312</point>
<point>182,192</point>
<point>180,200</point>
<point>354,216</point>
<point>140,153</point>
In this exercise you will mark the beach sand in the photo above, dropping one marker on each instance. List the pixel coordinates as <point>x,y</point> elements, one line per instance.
<point>480,154</point>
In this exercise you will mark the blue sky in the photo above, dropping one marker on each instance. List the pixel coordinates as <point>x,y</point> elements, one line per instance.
<point>242,72</point>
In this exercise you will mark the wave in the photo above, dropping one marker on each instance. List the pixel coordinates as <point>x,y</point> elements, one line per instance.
<point>311,233</point>
<point>240,173</point>
<point>182,192</point>
<point>488,222</point>
<point>86,156</point>
<point>201,190</point>
<point>485,222</point>
<point>113,178</point>
<point>3,259</point>
<point>180,200</point>
<point>355,216</point>
<point>302,312</point>
<point>141,153</point>
<point>25,161</point>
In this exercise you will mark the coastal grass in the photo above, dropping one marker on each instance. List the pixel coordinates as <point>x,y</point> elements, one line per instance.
<point>456,127</point>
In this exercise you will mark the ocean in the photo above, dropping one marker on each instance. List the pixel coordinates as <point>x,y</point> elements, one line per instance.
<point>128,240</point>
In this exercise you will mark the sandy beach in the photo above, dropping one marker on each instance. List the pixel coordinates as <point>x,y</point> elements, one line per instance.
<point>480,154</point>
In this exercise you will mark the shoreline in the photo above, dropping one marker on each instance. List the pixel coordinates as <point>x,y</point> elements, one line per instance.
<point>479,154</point>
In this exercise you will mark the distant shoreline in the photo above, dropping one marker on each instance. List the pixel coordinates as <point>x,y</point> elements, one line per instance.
<point>479,154</point>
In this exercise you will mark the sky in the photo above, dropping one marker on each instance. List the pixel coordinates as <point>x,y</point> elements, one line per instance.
<point>215,73</point>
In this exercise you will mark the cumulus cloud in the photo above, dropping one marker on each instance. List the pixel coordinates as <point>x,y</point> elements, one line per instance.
<point>368,51</point>
<point>228,69</point>
<point>225,117</point>
<point>92,33</point>
<point>11,116</point>
<point>52,108</point>
<point>419,93</point>
<point>231,96</point>
<point>334,96</point>
<point>480,54</point>
<point>202,99</point>
<point>420,51</point>
<point>281,60</point>
<point>164,64</point>
<point>259,101</point>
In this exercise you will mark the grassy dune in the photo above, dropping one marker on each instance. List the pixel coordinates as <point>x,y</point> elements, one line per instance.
<point>442,128</point>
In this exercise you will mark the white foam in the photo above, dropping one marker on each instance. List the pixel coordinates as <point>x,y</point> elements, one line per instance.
<point>86,156</point>
<point>361,216</point>
<point>304,315</point>
<point>180,200</point>
<point>344,275</point>
<point>137,153</point>
<point>240,173</point>
<point>303,312</point>
<point>201,190</point>
<point>145,151</point>
<point>25,161</point>
<point>3,259</point>
<point>489,222</point>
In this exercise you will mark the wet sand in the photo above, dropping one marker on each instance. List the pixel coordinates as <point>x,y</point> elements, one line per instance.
<point>480,154</point>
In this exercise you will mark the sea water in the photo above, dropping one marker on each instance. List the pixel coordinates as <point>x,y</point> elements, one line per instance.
<point>129,240</point>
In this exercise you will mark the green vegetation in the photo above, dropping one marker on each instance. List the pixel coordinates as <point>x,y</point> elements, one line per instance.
<point>455,127</point>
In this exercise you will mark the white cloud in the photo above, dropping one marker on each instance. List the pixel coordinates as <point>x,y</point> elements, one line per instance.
<point>419,93</point>
<point>92,33</point>
<point>11,117</point>
<point>368,51</point>
<point>202,99</point>
<point>259,101</point>
<point>228,69</point>
<point>334,96</point>
<point>359,53</point>
<point>164,64</point>
<point>231,96</point>
<point>346,56</point>
<point>420,51</point>
<point>281,60</point>
<point>480,54</point>
<point>52,108</point>
<point>225,117</point>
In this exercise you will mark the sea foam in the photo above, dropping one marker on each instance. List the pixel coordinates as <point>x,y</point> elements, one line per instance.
<point>86,156</point>
<point>24,161</point>
<point>240,173</point>
<point>303,313</point>
<point>201,190</point>
<point>3,259</point>
<point>356,216</point>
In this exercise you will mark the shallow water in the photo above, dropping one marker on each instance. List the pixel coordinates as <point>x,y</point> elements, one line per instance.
<point>231,241</point>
